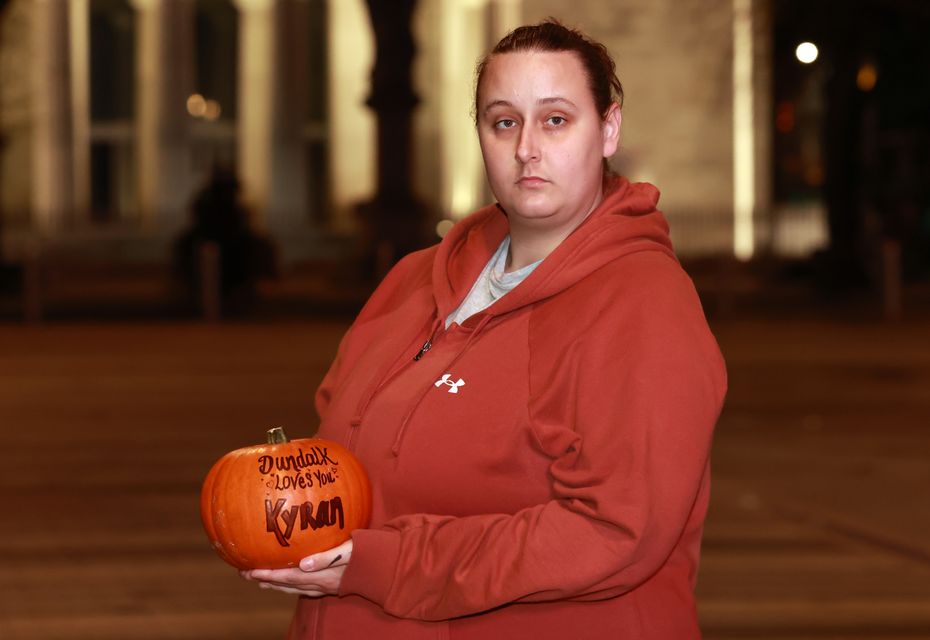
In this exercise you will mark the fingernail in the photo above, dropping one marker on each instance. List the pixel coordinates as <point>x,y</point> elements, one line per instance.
<point>307,564</point>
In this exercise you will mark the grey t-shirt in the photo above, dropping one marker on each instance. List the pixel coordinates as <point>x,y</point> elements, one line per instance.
<point>491,285</point>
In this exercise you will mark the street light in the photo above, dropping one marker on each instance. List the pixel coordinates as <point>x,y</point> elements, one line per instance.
<point>806,52</point>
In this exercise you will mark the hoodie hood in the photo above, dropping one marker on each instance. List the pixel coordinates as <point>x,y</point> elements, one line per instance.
<point>626,221</point>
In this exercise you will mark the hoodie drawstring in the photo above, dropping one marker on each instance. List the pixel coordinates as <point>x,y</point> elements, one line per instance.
<point>384,377</point>
<point>395,448</point>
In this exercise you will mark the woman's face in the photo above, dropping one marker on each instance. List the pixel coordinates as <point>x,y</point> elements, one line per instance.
<point>542,138</point>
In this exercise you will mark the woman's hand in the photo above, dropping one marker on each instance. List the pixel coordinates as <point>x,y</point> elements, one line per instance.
<point>317,575</point>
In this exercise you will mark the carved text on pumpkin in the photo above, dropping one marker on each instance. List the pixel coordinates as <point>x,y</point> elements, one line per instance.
<point>316,457</point>
<point>328,513</point>
<point>305,480</point>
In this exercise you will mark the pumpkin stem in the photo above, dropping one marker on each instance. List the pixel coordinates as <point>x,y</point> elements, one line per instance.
<point>276,435</point>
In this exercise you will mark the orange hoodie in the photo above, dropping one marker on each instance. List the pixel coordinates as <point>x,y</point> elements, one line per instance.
<point>540,471</point>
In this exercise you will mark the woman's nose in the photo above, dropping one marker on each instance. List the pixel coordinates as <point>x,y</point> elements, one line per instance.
<point>527,146</point>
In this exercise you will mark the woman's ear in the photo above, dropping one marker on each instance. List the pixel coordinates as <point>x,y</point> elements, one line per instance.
<point>611,130</point>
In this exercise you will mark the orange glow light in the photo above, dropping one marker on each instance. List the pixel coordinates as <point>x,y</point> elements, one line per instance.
<point>212,110</point>
<point>867,77</point>
<point>196,105</point>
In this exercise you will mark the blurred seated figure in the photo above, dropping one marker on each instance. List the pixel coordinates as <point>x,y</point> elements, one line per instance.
<point>217,216</point>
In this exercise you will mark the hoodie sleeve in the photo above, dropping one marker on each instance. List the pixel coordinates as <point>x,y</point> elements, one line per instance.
<point>626,411</point>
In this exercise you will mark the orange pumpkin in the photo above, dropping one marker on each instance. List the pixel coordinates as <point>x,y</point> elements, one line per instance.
<point>266,507</point>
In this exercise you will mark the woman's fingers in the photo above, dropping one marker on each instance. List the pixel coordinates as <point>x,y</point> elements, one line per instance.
<point>317,575</point>
<point>282,576</point>
<point>336,557</point>
<point>326,580</point>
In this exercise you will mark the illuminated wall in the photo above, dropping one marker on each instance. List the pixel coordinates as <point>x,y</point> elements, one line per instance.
<point>15,115</point>
<point>675,60</point>
<point>694,71</point>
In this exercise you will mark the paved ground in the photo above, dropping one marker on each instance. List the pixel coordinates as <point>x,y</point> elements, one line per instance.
<point>818,526</point>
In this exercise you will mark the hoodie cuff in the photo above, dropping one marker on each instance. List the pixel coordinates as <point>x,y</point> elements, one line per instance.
<point>371,569</point>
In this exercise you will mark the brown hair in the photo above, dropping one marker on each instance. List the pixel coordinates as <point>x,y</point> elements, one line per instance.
<point>552,35</point>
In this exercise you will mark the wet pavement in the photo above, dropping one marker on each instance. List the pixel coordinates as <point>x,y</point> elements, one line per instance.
<point>817,528</point>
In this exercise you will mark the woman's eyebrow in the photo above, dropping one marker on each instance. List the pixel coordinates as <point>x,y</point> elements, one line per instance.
<point>555,99</point>
<point>497,103</point>
<point>541,101</point>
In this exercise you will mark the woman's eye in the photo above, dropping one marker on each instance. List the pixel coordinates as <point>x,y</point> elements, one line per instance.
<point>505,124</point>
<point>556,120</point>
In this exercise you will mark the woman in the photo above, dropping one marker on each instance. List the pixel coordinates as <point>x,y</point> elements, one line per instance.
<point>534,398</point>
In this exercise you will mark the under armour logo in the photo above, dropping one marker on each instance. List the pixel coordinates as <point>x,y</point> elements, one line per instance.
<point>453,386</point>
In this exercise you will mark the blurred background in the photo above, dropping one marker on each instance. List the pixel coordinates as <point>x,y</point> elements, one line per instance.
<point>196,196</point>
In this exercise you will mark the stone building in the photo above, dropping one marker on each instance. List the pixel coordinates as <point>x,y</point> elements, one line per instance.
<point>112,113</point>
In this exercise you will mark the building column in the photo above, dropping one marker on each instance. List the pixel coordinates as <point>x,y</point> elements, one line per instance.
<point>272,94</point>
<point>52,171</point>
<point>468,30</point>
<point>395,217</point>
<point>351,154</point>
<point>164,80</point>
<point>80,106</point>
<point>289,202</point>
<point>506,15</point>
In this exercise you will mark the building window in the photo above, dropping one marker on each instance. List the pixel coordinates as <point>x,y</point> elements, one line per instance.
<point>112,109</point>
<point>216,46</point>
<point>315,118</point>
